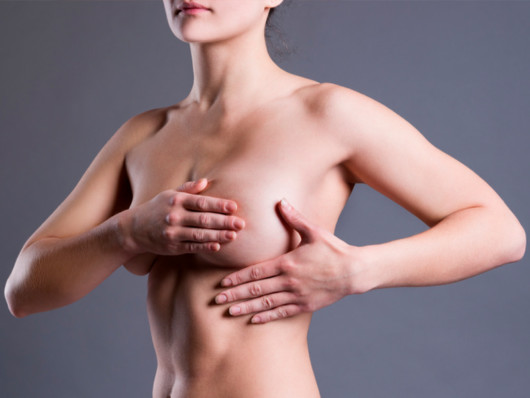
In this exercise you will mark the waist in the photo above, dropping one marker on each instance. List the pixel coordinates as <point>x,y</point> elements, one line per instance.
<point>181,295</point>
<point>197,341</point>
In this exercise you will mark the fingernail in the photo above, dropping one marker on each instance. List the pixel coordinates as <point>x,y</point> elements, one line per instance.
<point>221,299</point>
<point>231,207</point>
<point>284,203</point>
<point>231,235</point>
<point>255,319</point>
<point>234,310</point>
<point>226,282</point>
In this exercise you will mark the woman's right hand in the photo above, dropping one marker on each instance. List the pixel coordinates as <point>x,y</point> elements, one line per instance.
<point>180,221</point>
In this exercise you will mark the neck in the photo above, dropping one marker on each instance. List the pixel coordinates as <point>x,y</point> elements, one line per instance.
<point>231,72</point>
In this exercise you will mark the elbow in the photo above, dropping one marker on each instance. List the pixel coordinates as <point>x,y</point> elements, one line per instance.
<point>515,246</point>
<point>23,300</point>
<point>13,301</point>
<point>17,312</point>
<point>521,248</point>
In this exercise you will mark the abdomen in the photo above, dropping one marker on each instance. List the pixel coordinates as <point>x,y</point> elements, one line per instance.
<point>200,347</point>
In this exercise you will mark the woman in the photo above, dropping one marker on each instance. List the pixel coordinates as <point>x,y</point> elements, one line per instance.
<point>248,135</point>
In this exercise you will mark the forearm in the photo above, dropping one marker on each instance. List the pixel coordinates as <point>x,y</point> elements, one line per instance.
<point>54,272</point>
<point>463,244</point>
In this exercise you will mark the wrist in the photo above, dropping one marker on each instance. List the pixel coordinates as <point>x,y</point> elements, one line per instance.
<point>361,270</point>
<point>124,233</point>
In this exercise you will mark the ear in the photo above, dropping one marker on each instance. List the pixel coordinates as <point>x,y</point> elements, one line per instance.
<point>273,3</point>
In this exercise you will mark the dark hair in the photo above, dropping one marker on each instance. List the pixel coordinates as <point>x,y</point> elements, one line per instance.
<point>275,39</point>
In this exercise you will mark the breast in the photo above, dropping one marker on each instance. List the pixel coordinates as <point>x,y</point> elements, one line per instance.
<point>255,162</point>
<point>265,235</point>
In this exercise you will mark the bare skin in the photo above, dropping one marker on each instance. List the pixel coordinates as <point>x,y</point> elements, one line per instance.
<point>190,194</point>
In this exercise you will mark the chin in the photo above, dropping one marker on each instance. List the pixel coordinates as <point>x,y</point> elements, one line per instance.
<point>202,32</point>
<point>188,36</point>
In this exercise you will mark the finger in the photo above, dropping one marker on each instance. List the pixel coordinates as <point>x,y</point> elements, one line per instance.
<point>207,203</point>
<point>252,289</point>
<point>193,247</point>
<point>212,221</point>
<point>193,187</point>
<point>255,272</point>
<point>205,235</point>
<point>285,311</point>
<point>262,303</point>
<point>297,221</point>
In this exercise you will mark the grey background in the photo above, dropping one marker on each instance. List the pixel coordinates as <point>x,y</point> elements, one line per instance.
<point>73,72</point>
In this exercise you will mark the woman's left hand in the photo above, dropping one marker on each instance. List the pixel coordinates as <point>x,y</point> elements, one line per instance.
<point>320,271</point>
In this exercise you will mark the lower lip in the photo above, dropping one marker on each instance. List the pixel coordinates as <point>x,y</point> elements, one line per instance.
<point>193,11</point>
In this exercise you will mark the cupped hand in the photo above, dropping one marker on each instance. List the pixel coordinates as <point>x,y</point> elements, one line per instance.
<point>320,271</point>
<point>180,221</point>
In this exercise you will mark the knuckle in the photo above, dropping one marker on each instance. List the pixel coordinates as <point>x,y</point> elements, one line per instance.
<point>231,222</point>
<point>227,235</point>
<point>175,199</point>
<point>245,308</point>
<point>201,203</point>
<point>255,289</point>
<point>231,295</point>
<point>286,265</point>
<point>292,283</point>
<point>199,247</point>
<point>255,273</point>
<point>267,302</point>
<point>281,313</point>
<point>172,218</point>
<point>168,234</point>
<point>204,220</point>
<point>237,279</point>
<point>207,247</point>
<point>223,205</point>
<point>189,247</point>
<point>197,235</point>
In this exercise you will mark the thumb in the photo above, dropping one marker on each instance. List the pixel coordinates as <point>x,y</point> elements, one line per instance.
<point>297,221</point>
<point>193,187</point>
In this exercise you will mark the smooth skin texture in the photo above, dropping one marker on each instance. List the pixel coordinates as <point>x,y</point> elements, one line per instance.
<point>247,135</point>
<point>472,230</point>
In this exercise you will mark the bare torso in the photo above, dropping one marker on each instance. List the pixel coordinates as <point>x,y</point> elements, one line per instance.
<point>269,151</point>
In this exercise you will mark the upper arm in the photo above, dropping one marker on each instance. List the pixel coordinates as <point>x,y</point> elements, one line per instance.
<point>389,154</point>
<point>104,189</point>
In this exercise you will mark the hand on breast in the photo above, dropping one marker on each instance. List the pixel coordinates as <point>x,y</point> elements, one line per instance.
<point>179,221</point>
<point>264,235</point>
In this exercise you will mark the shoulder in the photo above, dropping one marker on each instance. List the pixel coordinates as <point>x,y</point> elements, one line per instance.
<point>325,98</point>
<point>352,116</point>
<point>138,128</point>
<point>333,102</point>
<point>143,124</point>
